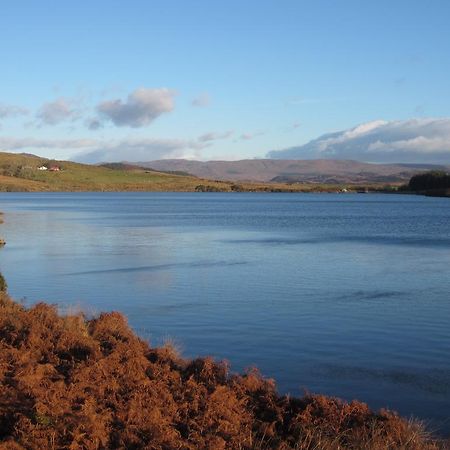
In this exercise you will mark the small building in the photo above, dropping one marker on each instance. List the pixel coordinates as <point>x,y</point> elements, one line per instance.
<point>43,168</point>
<point>54,169</point>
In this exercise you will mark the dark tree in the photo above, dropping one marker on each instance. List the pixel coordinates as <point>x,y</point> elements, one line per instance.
<point>430,180</point>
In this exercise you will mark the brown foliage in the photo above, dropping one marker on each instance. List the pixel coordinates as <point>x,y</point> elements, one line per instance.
<point>71,383</point>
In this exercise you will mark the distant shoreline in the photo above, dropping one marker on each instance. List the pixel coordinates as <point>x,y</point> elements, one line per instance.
<point>264,190</point>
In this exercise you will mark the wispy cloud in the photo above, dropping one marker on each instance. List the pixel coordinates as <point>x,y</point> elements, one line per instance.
<point>214,136</point>
<point>93,123</point>
<point>12,143</point>
<point>414,140</point>
<point>249,136</point>
<point>57,111</point>
<point>294,126</point>
<point>140,108</point>
<point>419,109</point>
<point>202,100</point>
<point>303,101</point>
<point>400,81</point>
<point>12,111</point>
<point>298,100</point>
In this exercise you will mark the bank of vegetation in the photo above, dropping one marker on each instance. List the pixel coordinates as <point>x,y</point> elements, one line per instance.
<point>69,382</point>
<point>433,183</point>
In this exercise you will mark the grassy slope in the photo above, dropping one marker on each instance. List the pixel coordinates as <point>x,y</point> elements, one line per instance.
<point>19,173</point>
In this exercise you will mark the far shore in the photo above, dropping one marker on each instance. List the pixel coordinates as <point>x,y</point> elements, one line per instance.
<point>444,193</point>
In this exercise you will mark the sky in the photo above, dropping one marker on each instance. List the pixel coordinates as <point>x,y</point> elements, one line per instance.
<point>143,80</point>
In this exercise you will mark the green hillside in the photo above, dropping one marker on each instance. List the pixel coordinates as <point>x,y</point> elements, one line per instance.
<point>20,172</point>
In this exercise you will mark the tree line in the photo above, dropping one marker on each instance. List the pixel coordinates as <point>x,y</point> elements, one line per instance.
<point>430,180</point>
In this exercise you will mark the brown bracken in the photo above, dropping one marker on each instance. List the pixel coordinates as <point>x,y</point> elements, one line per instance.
<point>67,382</point>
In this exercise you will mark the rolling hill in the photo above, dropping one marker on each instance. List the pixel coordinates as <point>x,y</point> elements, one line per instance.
<point>20,172</point>
<point>293,171</point>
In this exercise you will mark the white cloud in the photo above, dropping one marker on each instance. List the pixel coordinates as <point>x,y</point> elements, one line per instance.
<point>53,113</point>
<point>141,108</point>
<point>202,100</point>
<point>414,140</point>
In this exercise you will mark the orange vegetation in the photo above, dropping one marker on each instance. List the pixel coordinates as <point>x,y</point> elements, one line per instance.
<point>71,383</point>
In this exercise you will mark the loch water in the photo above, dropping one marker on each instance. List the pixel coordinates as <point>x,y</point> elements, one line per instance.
<point>341,294</point>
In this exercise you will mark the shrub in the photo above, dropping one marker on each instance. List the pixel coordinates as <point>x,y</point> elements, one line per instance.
<point>67,382</point>
<point>3,285</point>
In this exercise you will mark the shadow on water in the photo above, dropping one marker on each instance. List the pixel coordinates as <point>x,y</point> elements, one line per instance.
<point>372,295</point>
<point>434,381</point>
<point>442,243</point>
<point>160,267</point>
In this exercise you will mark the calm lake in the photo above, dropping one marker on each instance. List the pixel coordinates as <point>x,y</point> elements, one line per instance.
<point>341,294</point>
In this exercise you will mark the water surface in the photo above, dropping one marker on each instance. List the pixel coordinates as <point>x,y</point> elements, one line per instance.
<point>345,295</point>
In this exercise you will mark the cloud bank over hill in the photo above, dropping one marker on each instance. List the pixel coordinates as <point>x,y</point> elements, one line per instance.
<point>412,141</point>
<point>139,150</point>
<point>90,150</point>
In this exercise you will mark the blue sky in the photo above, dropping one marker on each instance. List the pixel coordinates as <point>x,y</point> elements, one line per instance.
<point>221,80</point>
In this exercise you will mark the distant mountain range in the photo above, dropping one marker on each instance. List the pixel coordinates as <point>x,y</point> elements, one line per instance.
<point>294,171</point>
